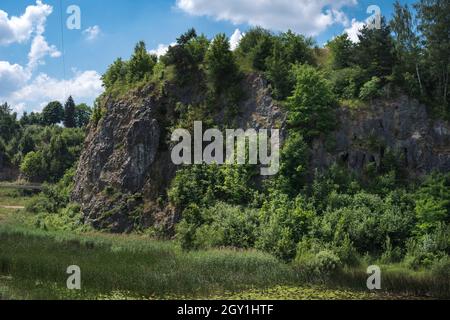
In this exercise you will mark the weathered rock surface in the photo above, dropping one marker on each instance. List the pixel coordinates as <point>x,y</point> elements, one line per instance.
<point>126,165</point>
<point>400,125</point>
<point>126,168</point>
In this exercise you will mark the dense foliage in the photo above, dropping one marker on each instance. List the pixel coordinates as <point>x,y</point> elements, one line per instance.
<point>37,144</point>
<point>319,220</point>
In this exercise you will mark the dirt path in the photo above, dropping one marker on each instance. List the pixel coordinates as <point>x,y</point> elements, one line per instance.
<point>13,207</point>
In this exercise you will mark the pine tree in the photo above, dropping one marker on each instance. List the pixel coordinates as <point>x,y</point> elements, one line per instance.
<point>141,64</point>
<point>222,70</point>
<point>69,113</point>
<point>375,50</point>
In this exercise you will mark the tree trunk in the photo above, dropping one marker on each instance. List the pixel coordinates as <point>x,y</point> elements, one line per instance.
<point>418,77</point>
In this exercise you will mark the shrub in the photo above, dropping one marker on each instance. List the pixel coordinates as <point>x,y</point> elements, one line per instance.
<point>34,166</point>
<point>441,268</point>
<point>284,222</point>
<point>315,261</point>
<point>346,83</point>
<point>371,89</point>
<point>424,250</point>
<point>205,184</point>
<point>221,225</point>
<point>433,203</point>
<point>368,220</point>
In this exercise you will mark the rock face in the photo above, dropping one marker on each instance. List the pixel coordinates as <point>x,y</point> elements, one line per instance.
<point>401,126</point>
<point>126,168</point>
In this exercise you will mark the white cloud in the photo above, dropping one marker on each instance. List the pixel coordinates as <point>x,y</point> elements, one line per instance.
<point>19,86</point>
<point>39,50</point>
<point>83,86</point>
<point>161,49</point>
<point>303,16</point>
<point>20,29</point>
<point>12,77</point>
<point>92,33</point>
<point>235,39</point>
<point>354,30</point>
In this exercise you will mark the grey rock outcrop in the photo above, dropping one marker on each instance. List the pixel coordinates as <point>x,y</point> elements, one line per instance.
<point>126,168</point>
<point>400,125</point>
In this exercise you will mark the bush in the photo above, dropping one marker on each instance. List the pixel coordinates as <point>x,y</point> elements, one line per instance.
<point>346,83</point>
<point>205,184</point>
<point>371,89</point>
<point>56,150</point>
<point>441,269</point>
<point>221,225</point>
<point>424,250</point>
<point>315,261</point>
<point>53,197</point>
<point>368,220</point>
<point>284,222</point>
<point>34,166</point>
<point>433,203</point>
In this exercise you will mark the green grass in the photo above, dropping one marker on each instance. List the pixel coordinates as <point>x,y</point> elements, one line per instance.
<point>33,265</point>
<point>13,197</point>
<point>133,264</point>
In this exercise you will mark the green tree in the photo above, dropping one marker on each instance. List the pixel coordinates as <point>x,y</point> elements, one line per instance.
<point>69,113</point>
<point>53,113</point>
<point>294,164</point>
<point>8,122</point>
<point>375,50</point>
<point>288,48</point>
<point>433,202</point>
<point>312,105</point>
<point>278,72</point>
<point>34,166</point>
<point>221,67</point>
<point>141,64</point>
<point>255,47</point>
<point>434,23</point>
<point>298,49</point>
<point>407,40</point>
<point>83,114</point>
<point>116,73</point>
<point>34,118</point>
<point>185,56</point>
<point>342,50</point>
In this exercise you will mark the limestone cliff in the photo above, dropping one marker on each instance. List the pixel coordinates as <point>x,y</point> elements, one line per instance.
<point>125,169</point>
<point>401,126</point>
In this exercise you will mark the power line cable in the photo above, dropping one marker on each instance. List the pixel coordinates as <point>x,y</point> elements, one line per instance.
<point>63,47</point>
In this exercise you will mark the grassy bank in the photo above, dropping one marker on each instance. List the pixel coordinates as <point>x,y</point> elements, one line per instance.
<point>131,264</point>
<point>33,265</point>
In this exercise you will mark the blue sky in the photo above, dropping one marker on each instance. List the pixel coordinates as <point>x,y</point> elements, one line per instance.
<point>32,55</point>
